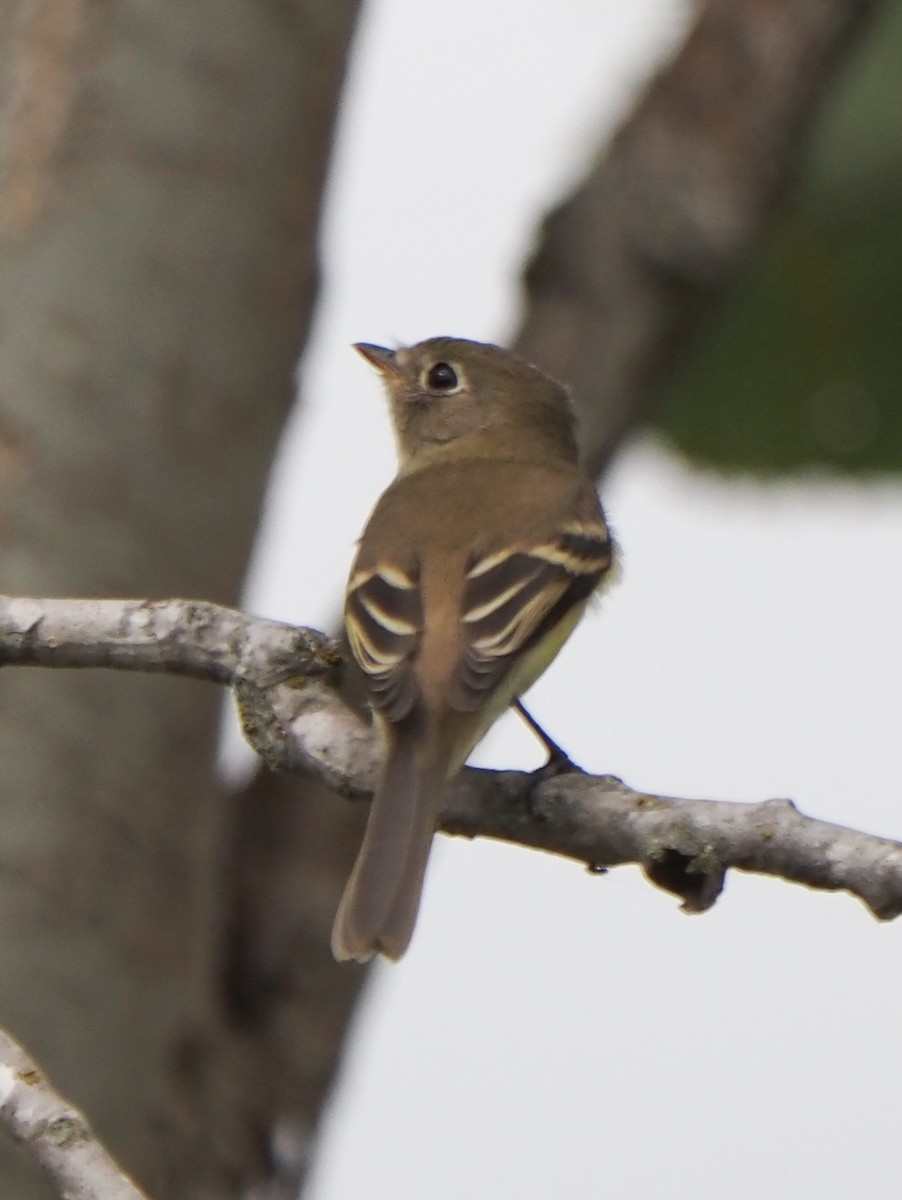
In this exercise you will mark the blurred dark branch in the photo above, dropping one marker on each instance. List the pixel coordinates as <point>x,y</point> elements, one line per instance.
<point>630,267</point>
<point>685,846</point>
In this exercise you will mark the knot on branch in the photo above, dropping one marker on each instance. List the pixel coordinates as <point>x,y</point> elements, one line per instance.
<point>697,877</point>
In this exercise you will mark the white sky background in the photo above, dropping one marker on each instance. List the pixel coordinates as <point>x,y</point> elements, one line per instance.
<point>550,1033</point>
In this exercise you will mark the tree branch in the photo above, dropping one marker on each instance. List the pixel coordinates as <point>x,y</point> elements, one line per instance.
<point>56,1133</point>
<point>179,637</point>
<point>631,266</point>
<point>284,682</point>
<point>684,846</point>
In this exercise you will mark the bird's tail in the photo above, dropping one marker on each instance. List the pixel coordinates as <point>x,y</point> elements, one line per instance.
<point>379,907</point>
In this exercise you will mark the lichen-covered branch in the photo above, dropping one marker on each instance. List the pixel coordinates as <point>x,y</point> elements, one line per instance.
<point>180,637</point>
<point>55,1133</point>
<point>284,682</point>
<point>685,846</point>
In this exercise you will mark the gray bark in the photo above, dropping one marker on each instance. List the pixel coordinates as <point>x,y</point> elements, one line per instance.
<point>160,176</point>
<point>54,1133</point>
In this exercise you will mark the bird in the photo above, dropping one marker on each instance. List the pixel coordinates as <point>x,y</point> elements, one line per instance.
<point>472,571</point>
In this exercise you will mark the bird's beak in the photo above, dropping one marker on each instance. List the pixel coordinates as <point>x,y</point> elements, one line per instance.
<point>379,357</point>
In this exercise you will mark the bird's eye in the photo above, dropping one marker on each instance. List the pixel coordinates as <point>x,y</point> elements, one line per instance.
<point>441,377</point>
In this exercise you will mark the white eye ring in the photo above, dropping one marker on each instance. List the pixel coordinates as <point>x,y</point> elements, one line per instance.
<point>442,378</point>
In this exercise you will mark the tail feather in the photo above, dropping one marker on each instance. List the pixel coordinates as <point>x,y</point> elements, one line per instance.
<point>380,903</point>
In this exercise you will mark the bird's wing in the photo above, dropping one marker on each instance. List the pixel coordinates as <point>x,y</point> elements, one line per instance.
<point>513,597</point>
<point>384,621</point>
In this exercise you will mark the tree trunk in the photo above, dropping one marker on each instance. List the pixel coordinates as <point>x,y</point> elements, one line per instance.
<point>161,168</point>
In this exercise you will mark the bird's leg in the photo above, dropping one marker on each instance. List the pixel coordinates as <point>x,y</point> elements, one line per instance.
<point>558,759</point>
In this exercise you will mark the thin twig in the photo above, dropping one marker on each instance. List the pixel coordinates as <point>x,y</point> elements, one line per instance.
<point>56,1133</point>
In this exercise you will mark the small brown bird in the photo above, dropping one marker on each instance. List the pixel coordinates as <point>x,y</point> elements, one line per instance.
<point>471,573</point>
